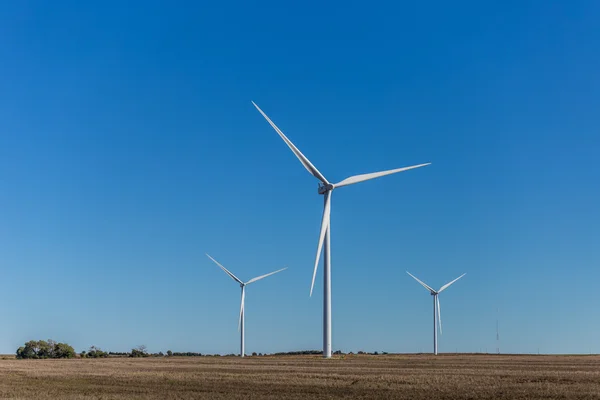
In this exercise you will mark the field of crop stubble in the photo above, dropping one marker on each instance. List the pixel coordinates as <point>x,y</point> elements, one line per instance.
<point>306,377</point>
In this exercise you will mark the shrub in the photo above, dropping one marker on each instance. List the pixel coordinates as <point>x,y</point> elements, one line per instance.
<point>63,350</point>
<point>139,351</point>
<point>298,353</point>
<point>96,352</point>
<point>187,354</point>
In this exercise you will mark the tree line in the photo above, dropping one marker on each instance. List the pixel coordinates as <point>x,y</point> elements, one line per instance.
<point>43,349</point>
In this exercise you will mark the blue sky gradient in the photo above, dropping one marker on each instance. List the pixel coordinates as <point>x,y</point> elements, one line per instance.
<point>129,148</point>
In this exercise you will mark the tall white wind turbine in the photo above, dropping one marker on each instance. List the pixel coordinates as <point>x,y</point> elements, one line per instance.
<point>326,188</point>
<point>243,287</point>
<point>436,307</point>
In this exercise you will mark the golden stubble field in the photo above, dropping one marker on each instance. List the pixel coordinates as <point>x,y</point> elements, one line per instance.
<point>305,377</point>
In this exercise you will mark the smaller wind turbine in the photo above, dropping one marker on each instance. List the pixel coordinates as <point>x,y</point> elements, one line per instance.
<point>243,286</point>
<point>436,307</point>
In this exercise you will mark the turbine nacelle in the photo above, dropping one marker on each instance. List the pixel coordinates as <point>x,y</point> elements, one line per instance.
<point>324,188</point>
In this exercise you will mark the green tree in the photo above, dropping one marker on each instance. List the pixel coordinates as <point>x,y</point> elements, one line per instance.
<point>139,351</point>
<point>51,348</point>
<point>31,349</point>
<point>169,353</point>
<point>63,350</point>
<point>44,349</point>
<point>21,353</point>
<point>96,352</point>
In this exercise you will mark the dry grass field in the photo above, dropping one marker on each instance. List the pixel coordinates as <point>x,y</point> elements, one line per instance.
<point>305,377</point>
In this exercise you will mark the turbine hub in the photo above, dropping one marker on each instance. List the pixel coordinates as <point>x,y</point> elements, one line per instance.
<point>325,188</point>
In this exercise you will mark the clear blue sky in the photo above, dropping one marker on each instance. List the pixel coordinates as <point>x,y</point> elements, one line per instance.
<point>129,148</point>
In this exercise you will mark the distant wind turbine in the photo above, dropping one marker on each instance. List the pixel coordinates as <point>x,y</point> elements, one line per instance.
<point>436,307</point>
<point>243,286</point>
<point>326,188</point>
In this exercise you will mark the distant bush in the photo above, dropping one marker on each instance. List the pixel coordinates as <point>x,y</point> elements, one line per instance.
<point>299,353</point>
<point>139,351</point>
<point>118,354</point>
<point>95,352</point>
<point>169,353</point>
<point>40,349</point>
<point>186,354</point>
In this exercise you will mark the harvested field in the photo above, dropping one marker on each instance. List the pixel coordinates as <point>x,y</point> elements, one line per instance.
<point>306,377</point>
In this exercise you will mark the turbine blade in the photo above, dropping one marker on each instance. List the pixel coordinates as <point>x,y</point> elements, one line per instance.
<point>324,228</point>
<point>422,283</point>
<point>242,307</point>
<point>449,283</point>
<point>235,278</point>
<point>365,177</point>
<point>439,314</point>
<point>258,278</point>
<point>307,164</point>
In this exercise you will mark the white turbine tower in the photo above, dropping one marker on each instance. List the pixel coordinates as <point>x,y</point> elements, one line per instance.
<point>436,307</point>
<point>243,286</point>
<point>326,188</point>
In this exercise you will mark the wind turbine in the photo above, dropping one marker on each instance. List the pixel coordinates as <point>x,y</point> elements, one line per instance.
<point>326,188</point>
<point>243,286</point>
<point>436,307</point>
